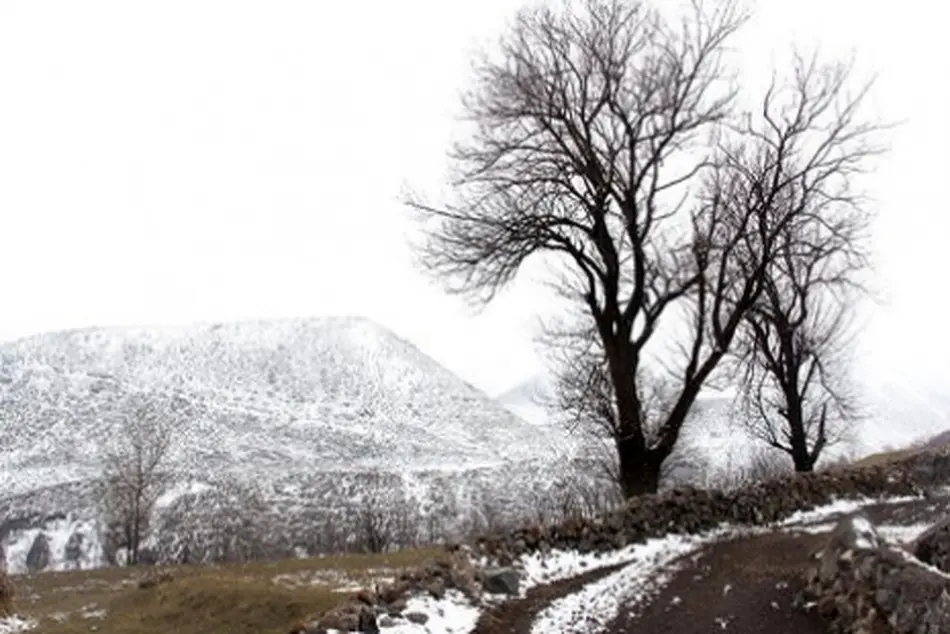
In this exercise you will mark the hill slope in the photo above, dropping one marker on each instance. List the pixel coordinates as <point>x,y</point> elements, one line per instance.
<point>300,410</point>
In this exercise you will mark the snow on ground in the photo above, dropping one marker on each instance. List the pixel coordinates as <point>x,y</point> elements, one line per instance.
<point>893,533</point>
<point>901,534</point>
<point>840,507</point>
<point>453,614</point>
<point>15,624</point>
<point>598,603</point>
<point>541,569</point>
<point>649,567</point>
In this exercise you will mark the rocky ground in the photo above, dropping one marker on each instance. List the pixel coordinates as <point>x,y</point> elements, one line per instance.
<point>744,585</point>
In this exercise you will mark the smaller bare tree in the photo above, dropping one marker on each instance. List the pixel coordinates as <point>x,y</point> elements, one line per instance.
<point>797,393</point>
<point>793,349</point>
<point>133,475</point>
<point>375,520</point>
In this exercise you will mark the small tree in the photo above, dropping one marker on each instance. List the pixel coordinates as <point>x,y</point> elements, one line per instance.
<point>376,522</point>
<point>133,463</point>
<point>797,393</point>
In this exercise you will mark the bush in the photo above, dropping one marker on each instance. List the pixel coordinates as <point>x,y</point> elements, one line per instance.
<point>7,594</point>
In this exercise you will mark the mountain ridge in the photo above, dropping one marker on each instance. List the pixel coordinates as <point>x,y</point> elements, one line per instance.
<point>305,412</point>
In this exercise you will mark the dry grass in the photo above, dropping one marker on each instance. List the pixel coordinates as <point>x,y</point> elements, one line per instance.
<point>886,457</point>
<point>262,598</point>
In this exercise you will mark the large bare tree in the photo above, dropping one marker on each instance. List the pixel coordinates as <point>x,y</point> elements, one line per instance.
<point>606,141</point>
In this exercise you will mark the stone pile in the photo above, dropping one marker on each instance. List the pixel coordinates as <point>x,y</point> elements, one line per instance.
<point>863,585</point>
<point>385,605</point>
<point>692,510</point>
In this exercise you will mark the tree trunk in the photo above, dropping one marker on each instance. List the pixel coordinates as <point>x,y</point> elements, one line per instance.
<point>798,439</point>
<point>639,469</point>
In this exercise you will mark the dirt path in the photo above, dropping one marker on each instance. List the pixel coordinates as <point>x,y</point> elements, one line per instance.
<point>742,586</point>
<point>516,617</point>
<point>747,585</point>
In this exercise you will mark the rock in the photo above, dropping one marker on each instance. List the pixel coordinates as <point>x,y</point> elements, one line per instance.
<point>340,618</point>
<point>933,546</point>
<point>392,592</point>
<point>418,618</point>
<point>865,586</point>
<point>501,581</point>
<point>436,588</point>
<point>366,596</point>
<point>396,607</point>
<point>385,621</point>
<point>73,551</point>
<point>366,622</point>
<point>39,556</point>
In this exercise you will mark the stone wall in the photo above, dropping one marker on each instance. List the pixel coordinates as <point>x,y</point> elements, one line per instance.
<point>693,510</point>
<point>863,585</point>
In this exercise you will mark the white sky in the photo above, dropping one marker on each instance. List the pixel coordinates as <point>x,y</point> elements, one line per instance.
<point>179,161</point>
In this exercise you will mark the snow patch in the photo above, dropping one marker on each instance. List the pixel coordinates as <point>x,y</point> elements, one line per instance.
<point>902,534</point>
<point>453,614</point>
<point>840,507</point>
<point>541,569</point>
<point>592,608</point>
<point>178,489</point>
<point>15,624</point>
<point>652,564</point>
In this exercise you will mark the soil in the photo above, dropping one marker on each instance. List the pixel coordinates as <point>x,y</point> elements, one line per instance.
<point>742,586</point>
<point>516,616</point>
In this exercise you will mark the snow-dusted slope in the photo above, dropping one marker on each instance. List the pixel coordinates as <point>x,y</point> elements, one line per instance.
<point>319,394</point>
<point>300,410</point>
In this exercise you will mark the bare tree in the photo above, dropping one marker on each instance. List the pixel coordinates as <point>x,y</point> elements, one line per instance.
<point>375,521</point>
<point>793,350</point>
<point>587,135</point>
<point>133,468</point>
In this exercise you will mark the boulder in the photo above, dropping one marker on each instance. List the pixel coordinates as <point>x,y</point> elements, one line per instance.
<point>933,546</point>
<point>73,551</point>
<point>417,617</point>
<point>366,622</point>
<point>501,581</point>
<point>38,558</point>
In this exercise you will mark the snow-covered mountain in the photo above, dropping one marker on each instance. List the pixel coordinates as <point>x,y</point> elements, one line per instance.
<point>302,411</point>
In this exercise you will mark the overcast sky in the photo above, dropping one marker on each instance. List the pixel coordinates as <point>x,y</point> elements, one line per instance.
<point>178,161</point>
